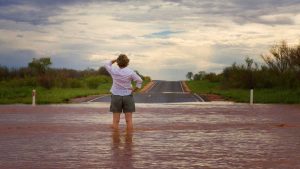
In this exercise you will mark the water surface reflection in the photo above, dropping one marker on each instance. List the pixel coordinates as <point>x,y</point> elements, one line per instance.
<point>121,155</point>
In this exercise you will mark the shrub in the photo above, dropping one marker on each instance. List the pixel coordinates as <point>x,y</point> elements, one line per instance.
<point>103,71</point>
<point>61,82</point>
<point>94,81</point>
<point>199,76</point>
<point>75,83</point>
<point>15,82</point>
<point>147,78</point>
<point>212,77</point>
<point>46,81</point>
<point>4,72</point>
<point>30,81</point>
<point>41,65</point>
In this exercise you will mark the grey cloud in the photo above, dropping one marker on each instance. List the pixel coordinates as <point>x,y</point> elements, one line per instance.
<point>21,58</point>
<point>123,37</point>
<point>255,4</point>
<point>162,34</point>
<point>166,43</point>
<point>72,61</point>
<point>16,58</point>
<point>81,47</point>
<point>275,21</point>
<point>20,36</point>
<point>12,25</point>
<point>226,55</point>
<point>138,55</point>
<point>39,16</point>
<point>241,11</point>
<point>16,10</point>
<point>82,23</point>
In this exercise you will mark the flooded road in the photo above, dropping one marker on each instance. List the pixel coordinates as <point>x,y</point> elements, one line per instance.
<point>168,136</point>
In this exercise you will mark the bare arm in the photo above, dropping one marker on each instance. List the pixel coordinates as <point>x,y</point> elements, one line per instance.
<point>113,61</point>
<point>138,81</point>
<point>108,65</point>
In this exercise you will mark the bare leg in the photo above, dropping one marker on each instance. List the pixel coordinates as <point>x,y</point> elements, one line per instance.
<point>128,118</point>
<point>116,120</point>
<point>116,138</point>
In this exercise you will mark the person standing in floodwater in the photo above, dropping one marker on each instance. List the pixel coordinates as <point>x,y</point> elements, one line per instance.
<point>122,99</point>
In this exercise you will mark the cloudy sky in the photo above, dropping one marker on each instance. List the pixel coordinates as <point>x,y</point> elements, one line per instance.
<point>164,39</point>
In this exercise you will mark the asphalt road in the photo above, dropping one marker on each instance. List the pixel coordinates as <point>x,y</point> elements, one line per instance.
<point>161,92</point>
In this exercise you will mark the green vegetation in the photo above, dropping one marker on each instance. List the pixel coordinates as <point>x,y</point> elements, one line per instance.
<point>52,85</point>
<point>54,95</point>
<point>20,90</point>
<point>272,95</point>
<point>276,81</point>
<point>22,94</point>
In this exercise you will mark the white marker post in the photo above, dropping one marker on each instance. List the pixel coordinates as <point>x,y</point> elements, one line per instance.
<point>251,96</point>
<point>33,97</point>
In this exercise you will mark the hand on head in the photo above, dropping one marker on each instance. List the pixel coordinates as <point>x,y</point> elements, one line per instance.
<point>113,61</point>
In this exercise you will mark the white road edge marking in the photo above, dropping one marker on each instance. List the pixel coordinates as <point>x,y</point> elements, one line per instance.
<point>154,83</point>
<point>97,98</point>
<point>181,87</point>
<point>200,98</point>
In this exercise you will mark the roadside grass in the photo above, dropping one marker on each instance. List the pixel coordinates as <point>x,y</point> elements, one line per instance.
<point>274,95</point>
<point>23,94</point>
<point>10,95</point>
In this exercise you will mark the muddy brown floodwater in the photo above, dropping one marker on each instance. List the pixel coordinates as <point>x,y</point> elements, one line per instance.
<point>165,136</point>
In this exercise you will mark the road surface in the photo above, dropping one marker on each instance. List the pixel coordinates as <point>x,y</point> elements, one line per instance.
<point>161,92</point>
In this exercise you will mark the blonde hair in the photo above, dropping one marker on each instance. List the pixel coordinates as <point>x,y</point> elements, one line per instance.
<point>122,61</point>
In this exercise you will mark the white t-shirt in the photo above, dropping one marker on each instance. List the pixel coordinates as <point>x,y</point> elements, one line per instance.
<point>122,78</point>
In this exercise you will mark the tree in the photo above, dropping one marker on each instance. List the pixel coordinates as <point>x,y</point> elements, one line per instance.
<point>189,75</point>
<point>4,72</point>
<point>200,75</point>
<point>103,71</point>
<point>279,59</point>
<point>212,77</point>
<point>240,75</point>
<point>41,65</point>
<point>295,57</point>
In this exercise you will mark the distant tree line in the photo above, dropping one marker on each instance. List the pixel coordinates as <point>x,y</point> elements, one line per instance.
<point>281,69</point>
<point>39,73</point>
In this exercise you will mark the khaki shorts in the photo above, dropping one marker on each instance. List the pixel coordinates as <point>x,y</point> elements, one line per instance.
<point>121,104</point>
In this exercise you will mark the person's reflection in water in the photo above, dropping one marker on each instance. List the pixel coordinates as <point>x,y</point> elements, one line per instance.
<point>122,149</point>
